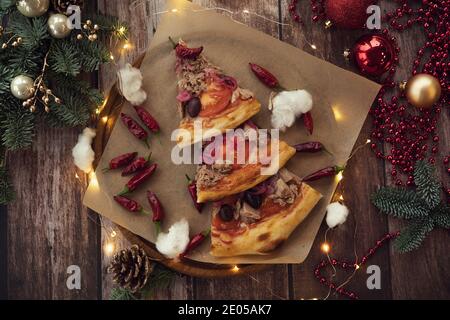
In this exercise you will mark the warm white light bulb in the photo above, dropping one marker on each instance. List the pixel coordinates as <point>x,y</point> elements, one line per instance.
<point>325,247</point>
<point>109,248</point>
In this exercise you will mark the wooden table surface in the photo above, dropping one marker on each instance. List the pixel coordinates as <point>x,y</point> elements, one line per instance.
<point>47,229</point>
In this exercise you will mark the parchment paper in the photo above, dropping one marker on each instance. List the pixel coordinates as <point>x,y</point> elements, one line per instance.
<point>341,104</point>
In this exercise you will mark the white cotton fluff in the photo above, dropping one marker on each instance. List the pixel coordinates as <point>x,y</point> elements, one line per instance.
<point>130,82</point>
<point>173,243</point>
<point>286,106</point>
<point>336,214</point>
<point>82,153</point>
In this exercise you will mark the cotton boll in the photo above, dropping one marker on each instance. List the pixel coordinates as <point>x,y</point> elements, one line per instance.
<point>173,243</point>
<point>138,98</point>
<point>288,105</point>
<point>82,153</point>
<point>336,214</point>
<point>282,118</point>
<point>130,82</point>
<point>299,101</point>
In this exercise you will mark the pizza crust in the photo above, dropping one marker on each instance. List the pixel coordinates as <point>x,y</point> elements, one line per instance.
<point>267,235</point>
<point>245,178</point>
<point>230,120</point>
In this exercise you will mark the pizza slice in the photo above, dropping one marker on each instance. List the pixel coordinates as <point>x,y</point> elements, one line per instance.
<point>207,95</point>
<point>262,218</point>
<point>239,162</point>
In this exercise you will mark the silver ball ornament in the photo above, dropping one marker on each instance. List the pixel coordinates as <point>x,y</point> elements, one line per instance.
<point>33,8</point>
<point>58,26</point>
<point>22,87</point>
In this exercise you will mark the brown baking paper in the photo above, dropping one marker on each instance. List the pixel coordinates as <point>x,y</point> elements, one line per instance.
<point>341,104</point>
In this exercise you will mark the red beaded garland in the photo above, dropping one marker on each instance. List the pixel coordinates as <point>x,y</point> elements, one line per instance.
<point>402,134</point>
<point>349,265</point>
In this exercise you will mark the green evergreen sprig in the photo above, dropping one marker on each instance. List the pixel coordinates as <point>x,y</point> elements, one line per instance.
<point>423,207</point>
<point>66,58</point>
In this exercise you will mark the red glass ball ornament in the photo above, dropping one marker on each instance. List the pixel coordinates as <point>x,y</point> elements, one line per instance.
<point>348,14</point>
<point>373,54</point>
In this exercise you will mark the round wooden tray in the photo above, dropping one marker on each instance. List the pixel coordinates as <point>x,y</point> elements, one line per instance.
<point>188,267</point>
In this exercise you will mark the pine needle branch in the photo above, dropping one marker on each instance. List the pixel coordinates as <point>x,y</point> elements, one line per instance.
<point>33,31</point>
<point>119,293</point>
<point>412,237</point>
<point>63,58</point>
<point>400,203</point>
<point>428,187</point>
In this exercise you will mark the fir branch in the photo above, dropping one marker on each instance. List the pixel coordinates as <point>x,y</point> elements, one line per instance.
<point>63,58</point>
<point>91,54</point>
<point>72,111</point>
<point>442,217</point>
<point>400,203</point>
<point>110,26</point>
<point>6,7</point>
<point>119,293</point>
<point>17,128</point>
<point>33,31</point>
<point>7,4</point>
<point>412,237</point>
<point>428,187</point>
<point>24,61</point>
<point>6,75</point>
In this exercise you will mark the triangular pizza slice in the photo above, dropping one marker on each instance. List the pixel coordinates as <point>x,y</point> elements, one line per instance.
<point>259,220</point>
<point>209,96</point>
<point>238,162</point>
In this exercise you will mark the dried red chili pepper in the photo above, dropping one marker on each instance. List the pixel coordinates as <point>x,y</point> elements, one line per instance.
<point>134,128</point>
<point>147,119</point>
<point>192,188</point>
<point>311,147</point>
<point>137,165</point>
<point>195,242</point>
<point>308,121</point>
<point>129,204</point>
<point>183,52</point>
<point>158,211</point>
<point>265,76</point>
<point>138,179</point>
<point>120,161</point>
<point>323,173</point>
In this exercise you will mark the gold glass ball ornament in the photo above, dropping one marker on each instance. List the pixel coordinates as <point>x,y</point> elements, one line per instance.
<point>58,26</point>
<point>33,8</point>
<point>22,87</point>
<point>423,90</point>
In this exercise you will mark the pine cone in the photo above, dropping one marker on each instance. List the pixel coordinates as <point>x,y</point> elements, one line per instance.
<point>62,5</point>
<point>131,268</point>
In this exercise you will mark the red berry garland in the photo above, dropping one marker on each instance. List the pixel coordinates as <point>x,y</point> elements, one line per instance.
<point>349,266</point>
<point>411,134</point>
<point>349,14</point>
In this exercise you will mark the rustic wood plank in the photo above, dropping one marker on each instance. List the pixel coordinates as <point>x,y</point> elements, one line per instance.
<point>429,280</point>
<point>370,225</point>
<point>142,21</point>
<point>273,283</point>
<point>47,225</point>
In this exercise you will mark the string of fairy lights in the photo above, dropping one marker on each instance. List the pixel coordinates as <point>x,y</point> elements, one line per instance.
<point>112,235</point>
